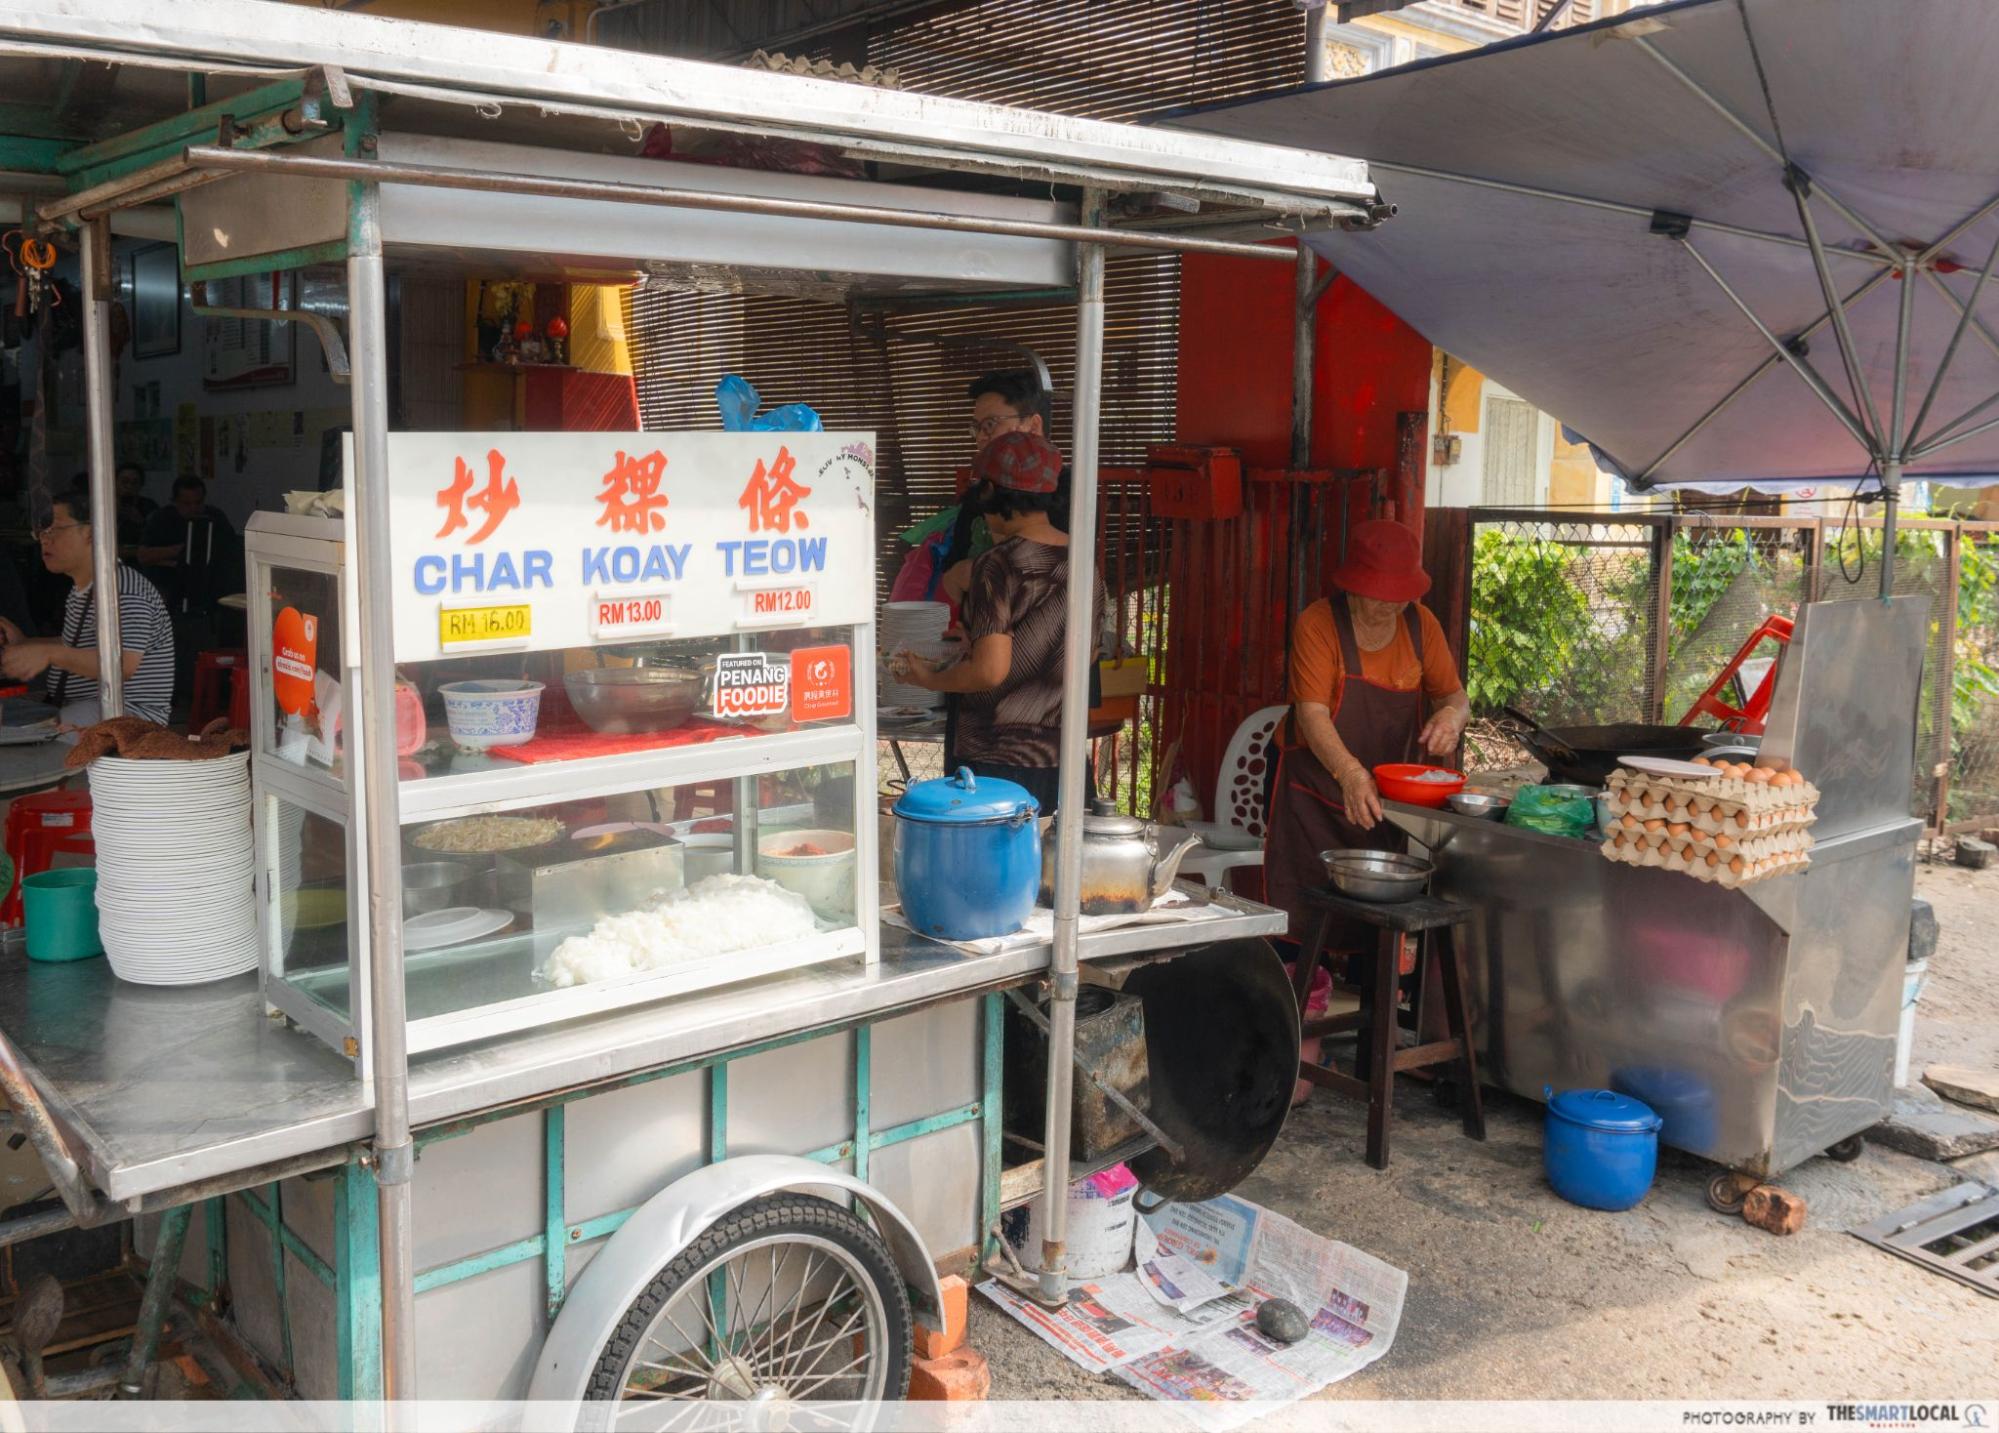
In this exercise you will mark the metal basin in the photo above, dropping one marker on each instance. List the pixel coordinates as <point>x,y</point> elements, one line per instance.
<point>1477,803</point>
<point>1382,876</point>
<point>434,885</point>
<point>624,700</point>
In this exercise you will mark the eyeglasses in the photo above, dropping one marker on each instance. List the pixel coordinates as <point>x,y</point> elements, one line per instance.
<point>985,428</point>
<point>48,527</point>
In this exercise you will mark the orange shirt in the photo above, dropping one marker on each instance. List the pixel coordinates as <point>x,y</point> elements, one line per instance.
<point>1318,672</point>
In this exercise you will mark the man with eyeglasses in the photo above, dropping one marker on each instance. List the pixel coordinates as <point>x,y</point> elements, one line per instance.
<point>939,565</point>
<point>71,661</point>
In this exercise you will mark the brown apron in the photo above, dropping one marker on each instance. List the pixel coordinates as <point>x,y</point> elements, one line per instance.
<point>1307,811</point>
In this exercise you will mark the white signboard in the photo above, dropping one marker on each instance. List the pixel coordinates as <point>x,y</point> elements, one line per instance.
<point>539,541</point>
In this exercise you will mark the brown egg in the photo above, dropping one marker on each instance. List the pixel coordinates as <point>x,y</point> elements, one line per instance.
<point>1676,828</point>
<point>1714,858</point>
<point>1702,761</point>
<point>1737,865</point>
<point>1655,824</point>
<point>1629,822</point>
<point>1742,818</point>
<point>1724,841</point>
<point>1762,775</point>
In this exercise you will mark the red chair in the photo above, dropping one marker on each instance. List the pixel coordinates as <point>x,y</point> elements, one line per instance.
<point>38,826</point>
<point>1750,716</point>
<point>211,697</point>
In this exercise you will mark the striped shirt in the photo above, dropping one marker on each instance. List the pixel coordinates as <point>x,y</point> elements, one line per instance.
<point>143,627</point>
<point>1020,589</point>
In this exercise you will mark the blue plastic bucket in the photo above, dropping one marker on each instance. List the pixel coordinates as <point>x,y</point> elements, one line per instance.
<point>59,912</point>
<point>1600,1148</point>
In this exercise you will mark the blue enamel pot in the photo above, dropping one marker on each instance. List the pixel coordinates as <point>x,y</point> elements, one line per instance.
<point>967,856</point>
<point>1600,1148</point>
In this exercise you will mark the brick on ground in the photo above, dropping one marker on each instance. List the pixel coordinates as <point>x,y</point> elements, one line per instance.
<point>935,1343</point>
<point>960,1377</point>
<point>1774,1210</point>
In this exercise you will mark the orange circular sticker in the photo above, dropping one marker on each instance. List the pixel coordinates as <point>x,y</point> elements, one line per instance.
<point>294,659</point>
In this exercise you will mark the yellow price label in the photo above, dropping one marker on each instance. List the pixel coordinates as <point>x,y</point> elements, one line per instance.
<point>465,626</point>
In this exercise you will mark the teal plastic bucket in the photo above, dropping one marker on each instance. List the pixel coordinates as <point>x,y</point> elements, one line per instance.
<point>60,913</point>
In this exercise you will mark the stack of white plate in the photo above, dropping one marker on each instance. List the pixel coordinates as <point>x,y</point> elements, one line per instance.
<point>917,628</point>
<point>176,865</point>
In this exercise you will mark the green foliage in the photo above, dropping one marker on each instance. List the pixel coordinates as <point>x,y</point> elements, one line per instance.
<point>1527,618</point>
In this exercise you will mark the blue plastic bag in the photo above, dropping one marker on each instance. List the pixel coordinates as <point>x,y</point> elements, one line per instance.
<point>738,399</point>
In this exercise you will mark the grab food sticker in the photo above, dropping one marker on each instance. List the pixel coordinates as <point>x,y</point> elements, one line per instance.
<point>294,659</point>
<point>750,684</point>
<point>822,683</point>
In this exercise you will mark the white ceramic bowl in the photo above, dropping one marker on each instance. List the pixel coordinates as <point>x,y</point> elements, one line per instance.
<point>824,875</point>
<point>487,713</point>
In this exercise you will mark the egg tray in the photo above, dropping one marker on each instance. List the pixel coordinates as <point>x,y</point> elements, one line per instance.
<point>1691,861</point>
<point>1752,848</point>
<point>1729,805</point>
<point>1729,790</point>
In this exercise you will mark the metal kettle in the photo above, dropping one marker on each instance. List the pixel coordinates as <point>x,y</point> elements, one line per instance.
<point>1123,867</point>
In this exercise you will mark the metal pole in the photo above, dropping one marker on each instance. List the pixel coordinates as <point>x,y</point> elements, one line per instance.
<point>1891,481</point>
<point>210,160</point>
<point>1318,59</point>
<point>97,398</point>
<point>1079,650</point>
<point>393,1153</point>
<point>160,1280</point>
<point>1891,467</point>
<point>1304,336</point>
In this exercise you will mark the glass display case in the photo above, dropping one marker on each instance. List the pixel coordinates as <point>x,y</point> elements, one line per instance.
<point>613,788</point>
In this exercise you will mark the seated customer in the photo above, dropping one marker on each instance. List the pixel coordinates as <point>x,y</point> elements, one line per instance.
<point>71,660</point>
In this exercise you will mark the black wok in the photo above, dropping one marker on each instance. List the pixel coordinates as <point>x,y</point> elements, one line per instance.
<point>1586,755</point>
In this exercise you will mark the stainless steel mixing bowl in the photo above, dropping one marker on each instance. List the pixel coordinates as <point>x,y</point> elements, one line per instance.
<point>624,700</point>
<point>1380,876</point>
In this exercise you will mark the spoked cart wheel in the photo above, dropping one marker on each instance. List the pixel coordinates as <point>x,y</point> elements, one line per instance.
<point>789,1301</point>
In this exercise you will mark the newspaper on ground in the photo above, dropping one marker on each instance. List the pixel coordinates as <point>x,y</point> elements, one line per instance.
<point>1208,1356</point>
<point>1173,1279</point>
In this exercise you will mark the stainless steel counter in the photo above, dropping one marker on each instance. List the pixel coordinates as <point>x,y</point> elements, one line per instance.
<point>1759,1022</point>
<point>159,1087</point>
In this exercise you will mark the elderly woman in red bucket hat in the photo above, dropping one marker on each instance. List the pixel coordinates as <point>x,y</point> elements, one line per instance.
<point>1372,682</point>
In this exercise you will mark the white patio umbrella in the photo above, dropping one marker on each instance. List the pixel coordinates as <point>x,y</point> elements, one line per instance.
<point>1728,241</point>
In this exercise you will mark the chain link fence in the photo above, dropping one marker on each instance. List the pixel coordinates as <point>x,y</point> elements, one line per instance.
<point>1602,618</point>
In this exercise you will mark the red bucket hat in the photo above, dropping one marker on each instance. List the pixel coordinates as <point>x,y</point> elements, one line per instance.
<point>1019,461</point>
<point>1384,561</point>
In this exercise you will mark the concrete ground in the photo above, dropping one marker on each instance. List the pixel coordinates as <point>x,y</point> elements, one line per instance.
<point>1516,1294</point>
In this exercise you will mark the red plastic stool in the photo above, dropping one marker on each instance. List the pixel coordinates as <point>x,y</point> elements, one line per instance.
<point>1751,715</point>
<point>212,696</point>
<point>239,697</point>
<point>37,826</point>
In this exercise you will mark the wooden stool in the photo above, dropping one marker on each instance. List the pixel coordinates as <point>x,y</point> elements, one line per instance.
<point>1384,1053</point>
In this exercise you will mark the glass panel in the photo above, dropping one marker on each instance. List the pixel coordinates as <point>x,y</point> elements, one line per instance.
<point>301,671</point>
<point>308,924</point>
<point>494,711</point>
<point>502,907</point>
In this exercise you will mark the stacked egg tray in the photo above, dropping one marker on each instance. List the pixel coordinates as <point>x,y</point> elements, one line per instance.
<point>1725,829</point>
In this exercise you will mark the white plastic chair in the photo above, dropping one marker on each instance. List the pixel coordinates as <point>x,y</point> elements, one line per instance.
<point>1235,837</point>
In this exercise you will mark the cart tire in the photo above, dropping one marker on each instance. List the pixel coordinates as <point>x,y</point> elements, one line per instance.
<point>1847,1150</point>
<point>751,1250</point>
<point>1726,1193</point>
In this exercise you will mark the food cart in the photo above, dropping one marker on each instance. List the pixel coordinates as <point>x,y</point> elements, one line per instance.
<point>1759,1022</point>
<point>455,1171</point>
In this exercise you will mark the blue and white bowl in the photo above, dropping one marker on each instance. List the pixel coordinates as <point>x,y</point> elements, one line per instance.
<point>491,712</point>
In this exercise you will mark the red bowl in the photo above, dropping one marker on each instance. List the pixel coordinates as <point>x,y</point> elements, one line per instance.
<point>1397,782</point>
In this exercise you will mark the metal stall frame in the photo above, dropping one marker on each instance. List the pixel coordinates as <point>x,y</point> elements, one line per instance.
<point>1269,190</point>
